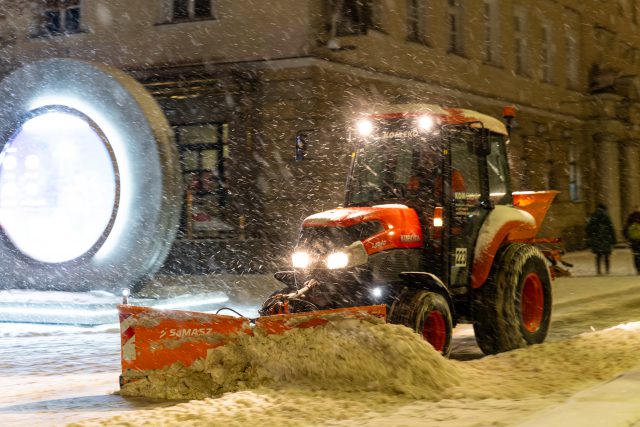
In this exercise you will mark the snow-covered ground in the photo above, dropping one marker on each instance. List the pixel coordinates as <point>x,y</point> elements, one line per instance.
<point>58,374</point>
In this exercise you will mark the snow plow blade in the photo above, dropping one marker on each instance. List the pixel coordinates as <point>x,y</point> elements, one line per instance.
<point>283,322</point>
<point>154,338</point>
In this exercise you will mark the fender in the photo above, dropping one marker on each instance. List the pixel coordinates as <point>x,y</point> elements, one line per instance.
<point>429,282</point>
<point>501,224</point>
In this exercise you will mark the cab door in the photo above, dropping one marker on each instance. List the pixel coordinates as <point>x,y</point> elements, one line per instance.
<point>467,202</point>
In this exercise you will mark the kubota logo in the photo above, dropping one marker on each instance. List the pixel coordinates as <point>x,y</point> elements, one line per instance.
<point>181,333</point>
<point>379,244</point>
<point>400,134</point>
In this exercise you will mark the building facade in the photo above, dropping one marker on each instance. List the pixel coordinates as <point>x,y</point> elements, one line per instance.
<point>245,82</point>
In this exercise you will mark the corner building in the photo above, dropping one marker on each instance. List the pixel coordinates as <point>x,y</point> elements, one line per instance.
<point>243,81</point>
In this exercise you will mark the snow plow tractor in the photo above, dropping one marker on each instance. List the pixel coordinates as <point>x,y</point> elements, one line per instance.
<point>430,235</point>
<point>430,229</point>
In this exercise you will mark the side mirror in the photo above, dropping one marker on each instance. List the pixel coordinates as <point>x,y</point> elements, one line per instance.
<point>481,143</point>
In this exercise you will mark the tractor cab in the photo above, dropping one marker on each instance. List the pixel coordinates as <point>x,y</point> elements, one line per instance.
<point>449,165</point>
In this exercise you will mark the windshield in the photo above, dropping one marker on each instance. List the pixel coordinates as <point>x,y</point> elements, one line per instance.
<point>392,166</point>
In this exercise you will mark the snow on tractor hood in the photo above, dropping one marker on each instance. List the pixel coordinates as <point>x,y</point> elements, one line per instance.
<point>399,225</point>
<point>345,217</point>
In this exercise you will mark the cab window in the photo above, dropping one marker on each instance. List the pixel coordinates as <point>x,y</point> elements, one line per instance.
<point>497,168</point>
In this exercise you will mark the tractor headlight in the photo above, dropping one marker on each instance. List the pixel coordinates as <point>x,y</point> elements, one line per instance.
<point>425,123</point>
<point>300,259</point>
<point>352,255</point>
<point>337,260</point>
<point>364,127</point>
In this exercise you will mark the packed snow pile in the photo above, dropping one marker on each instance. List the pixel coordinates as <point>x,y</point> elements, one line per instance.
<point>355,374</point>
<point>346,355</point>
<point>554,367</point>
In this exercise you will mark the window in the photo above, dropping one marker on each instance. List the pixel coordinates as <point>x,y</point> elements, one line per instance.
<point>60,17</point>
<point>204,154</point>
<point>605,38</point>
<point>465,165</point>
<point>185,10</point>
<point>354,17</point>
<point>455,26</point>
<point>546,54</point>
<point>622,7</point>
<point>497,168</point>
<point>416,21</point>
<point>491,32</point>
<point>574,173</point>
<point>520,42</point>
<point>377,15</point>
<point>571,56</point>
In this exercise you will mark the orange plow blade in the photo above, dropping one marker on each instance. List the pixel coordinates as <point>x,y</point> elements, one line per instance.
<point>285,322</point>
<point>155,339</point>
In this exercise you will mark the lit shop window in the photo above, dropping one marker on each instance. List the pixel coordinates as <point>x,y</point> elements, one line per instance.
<point>204,154</point>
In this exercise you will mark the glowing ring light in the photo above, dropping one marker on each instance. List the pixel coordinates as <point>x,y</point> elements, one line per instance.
<point>104,216</point>
<point>52,165</point>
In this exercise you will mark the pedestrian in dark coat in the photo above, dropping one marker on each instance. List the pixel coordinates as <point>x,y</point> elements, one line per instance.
<point>601,236</point>
<point>632,234</point>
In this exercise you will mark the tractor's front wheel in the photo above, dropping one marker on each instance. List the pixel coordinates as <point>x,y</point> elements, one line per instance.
<point>428,314</point>
<point>513,308</point>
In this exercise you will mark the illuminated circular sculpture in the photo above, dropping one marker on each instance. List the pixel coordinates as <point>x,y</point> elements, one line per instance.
<point>90,192</point>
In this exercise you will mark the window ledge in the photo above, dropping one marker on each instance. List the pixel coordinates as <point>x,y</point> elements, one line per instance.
<point>457,53</point>
<point>48,35</point>
<point>493,64</point>
<point>424,43</point>
<point>186,21</point>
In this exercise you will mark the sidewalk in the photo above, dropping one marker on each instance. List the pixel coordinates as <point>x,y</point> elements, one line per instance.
<point>612,404</point>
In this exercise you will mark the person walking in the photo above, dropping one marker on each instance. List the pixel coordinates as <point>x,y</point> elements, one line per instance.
<point>632,234</point>
<point>601,236</point>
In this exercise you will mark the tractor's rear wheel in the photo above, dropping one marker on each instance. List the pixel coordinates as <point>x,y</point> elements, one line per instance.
<point>428,314</point>
<point>513,308</point>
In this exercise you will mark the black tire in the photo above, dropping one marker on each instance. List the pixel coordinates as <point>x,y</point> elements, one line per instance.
<point>513,308</point>
<point>428,314</point>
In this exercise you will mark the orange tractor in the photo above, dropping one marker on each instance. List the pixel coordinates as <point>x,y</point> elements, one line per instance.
<point>430,235</point>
